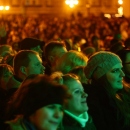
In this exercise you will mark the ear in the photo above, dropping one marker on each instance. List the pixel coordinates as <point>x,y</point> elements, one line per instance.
<point>51,59</point>
<point>23,70</point>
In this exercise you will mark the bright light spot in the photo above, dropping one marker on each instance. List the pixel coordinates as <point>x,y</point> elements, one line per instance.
<point>107,15</point>
<point>1,7</point>
<point>120,10</point>
<point>7,7</point>
<point>71,3</point>
<point>120,2</point>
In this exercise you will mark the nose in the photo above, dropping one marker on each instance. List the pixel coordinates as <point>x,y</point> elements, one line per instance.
<point>122,73</point>
<point>58,113</point>
<point>84,95</point>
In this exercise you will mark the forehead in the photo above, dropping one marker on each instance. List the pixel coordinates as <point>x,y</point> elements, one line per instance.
<point>119,65</point>
<point>74,84</point>
<point>34,57</point>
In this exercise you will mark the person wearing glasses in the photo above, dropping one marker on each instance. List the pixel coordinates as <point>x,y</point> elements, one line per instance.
<point>76,116</point>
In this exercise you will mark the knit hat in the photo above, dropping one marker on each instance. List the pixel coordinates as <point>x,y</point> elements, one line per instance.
<point>28,43</point>
<point>39,91</point>
<point>100,63</point>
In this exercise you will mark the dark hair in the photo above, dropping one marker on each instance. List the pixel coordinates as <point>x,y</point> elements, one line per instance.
<point>49,47</point>
<point>35,92</point>
<point>121,98</point>
<point>22,59</point>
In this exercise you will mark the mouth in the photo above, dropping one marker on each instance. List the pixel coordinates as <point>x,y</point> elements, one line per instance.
<point>54,122</point>
<point>83,101</point>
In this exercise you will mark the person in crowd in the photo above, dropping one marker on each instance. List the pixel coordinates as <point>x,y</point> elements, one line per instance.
<point>108,99</point>
<point>69,61</point>
<point>25,62</point>
<point>79,71</point>
<point>6,72</point>
<point>52,52</point>
<point>5,52</point>
<point>34,44</point>
<point>76,116</point>
<point>125,57</point>
<point>37,104</point>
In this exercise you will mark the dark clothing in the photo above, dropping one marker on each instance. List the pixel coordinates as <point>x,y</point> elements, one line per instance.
<point>127,79</point>
<point>103,109</point>
<point>70,123</point>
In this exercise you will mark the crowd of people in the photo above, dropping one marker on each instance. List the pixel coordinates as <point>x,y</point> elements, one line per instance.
<point>64,73</point>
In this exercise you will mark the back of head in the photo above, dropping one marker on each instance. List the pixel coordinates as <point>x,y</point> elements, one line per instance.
<point>100,63</point>
<point>49,47</point>
<point>70,60</point>
<point>28,43</point>
<point>22,59</point>
<point>36,92</point>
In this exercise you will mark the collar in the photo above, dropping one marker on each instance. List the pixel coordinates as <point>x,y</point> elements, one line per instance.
<point>81,119</point>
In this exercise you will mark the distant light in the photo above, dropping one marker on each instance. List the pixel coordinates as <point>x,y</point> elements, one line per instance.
<point>107,15</point>
<point>120,10</point>
<point>7,7</point>
<point>118,15</point>
<point>120,2</point>
<point>1,7</point>
<point>71,3</point>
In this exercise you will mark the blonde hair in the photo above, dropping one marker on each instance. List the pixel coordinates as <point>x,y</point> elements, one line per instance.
<point>69,61</point>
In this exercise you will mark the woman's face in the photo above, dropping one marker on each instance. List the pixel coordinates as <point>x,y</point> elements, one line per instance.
<point>115,76</point>
<point>48,117</point>
<point>77,103</point>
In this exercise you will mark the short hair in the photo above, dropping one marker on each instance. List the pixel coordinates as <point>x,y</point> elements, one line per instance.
<point>49,47</point>
<point>35,92</point>
<point>70,60</point>
<point>22,59</point>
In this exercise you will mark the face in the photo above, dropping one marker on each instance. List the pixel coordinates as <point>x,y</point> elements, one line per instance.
<point>48,117</point>
<point>35,65</point>
<point>7,74</point>
<point>127,64</point>
<point>115,77</point>
<point>77,103</point>
<point>37,49</point>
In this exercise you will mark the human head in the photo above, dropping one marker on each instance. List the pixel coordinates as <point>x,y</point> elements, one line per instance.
<point>53,51</point>
<point>79,71</point>
<point>27,62</point>
<point>6,71</point>
<point>108,64</point>
<point>40,101</point>
<point>31,44</point>
<point>69,61</point>
<point>125,57</point>
<point>76,104</point>
<point>5,50</point>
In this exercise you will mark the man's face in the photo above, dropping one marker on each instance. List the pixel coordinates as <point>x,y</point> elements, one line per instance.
<point>38,50</point>
<point>35,65</point>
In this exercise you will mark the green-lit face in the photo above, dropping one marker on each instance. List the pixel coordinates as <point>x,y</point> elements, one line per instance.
<point>48,117</point>
<point>35,65</point>
<point>77,103</point>
<point>115,77</point>
<point>38,50</point>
